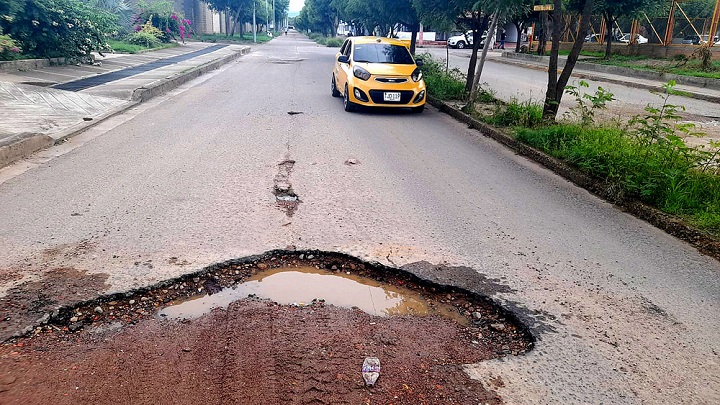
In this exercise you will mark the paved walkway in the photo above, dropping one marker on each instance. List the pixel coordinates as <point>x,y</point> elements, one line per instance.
<point>42,110</point>
<point>52,101</point>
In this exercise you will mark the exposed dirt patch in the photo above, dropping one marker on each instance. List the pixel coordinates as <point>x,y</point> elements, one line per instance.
<point>257,351</point>
<point>253,353</point>
<point>34,302</point>
<point>69,250</point>
<point>8,276</point>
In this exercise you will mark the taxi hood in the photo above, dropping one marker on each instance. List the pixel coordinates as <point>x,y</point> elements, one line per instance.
<point>387,69</point>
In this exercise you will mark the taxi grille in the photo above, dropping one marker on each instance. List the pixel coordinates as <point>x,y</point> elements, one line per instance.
<point>405,97</point>
<point>391,79</point>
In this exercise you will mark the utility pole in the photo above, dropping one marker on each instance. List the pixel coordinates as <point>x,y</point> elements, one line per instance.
<point>274,19</point>
<point>267,17</point>
<point>254,24</point>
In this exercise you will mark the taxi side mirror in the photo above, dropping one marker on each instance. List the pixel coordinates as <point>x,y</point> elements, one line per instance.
<point>343,59</point>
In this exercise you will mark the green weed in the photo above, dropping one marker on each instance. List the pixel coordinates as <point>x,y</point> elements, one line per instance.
<point>441,83</point>
<point>516,114</point>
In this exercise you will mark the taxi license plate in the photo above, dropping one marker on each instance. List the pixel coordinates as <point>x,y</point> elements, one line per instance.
<point>391,96</point>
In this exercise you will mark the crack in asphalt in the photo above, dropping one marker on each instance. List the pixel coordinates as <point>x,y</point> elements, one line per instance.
<point>285,196</point>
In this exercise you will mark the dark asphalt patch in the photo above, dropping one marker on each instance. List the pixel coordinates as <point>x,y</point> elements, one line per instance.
<point>104,78</point>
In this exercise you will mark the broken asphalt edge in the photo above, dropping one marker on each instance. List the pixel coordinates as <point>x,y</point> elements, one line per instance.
<point>596,77</point>
<point>514,314</point>
<point>23,145</point>
<point>702,241</point>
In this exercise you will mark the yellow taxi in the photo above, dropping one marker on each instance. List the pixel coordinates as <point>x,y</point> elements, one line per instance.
<point>378,72</point>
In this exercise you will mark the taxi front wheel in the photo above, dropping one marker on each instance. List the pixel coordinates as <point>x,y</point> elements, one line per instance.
<point>349,105</point>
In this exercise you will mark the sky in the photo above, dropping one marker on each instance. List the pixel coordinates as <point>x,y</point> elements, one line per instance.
<point>296,5</point>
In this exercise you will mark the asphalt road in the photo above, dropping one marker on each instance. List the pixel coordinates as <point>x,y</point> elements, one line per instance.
<point>623,312</point>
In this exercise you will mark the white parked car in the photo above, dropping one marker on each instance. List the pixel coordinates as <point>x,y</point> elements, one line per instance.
<point>463,41</point>
<point>626,39</point>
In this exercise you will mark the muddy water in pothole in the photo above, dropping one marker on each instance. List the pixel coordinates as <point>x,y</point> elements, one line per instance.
<point>302,285</point>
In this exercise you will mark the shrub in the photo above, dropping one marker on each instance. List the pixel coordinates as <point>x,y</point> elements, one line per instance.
<point>9,49</point>
<point>334,42</point>
<point>145,39</point>
<point>59,28</point>
<point>160,15</point>
<point>441,83</point>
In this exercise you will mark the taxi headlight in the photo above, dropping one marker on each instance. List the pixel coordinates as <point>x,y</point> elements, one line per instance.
<point>416,75</point>
<point>361,73</point>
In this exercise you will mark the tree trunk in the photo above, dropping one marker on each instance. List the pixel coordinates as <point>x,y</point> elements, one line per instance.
<point>235,20</point>
<point>543,37</point>
<point>478,28</point>
<point>608,35</point>
<point>227,23</point>
<point>518,43</point>
<point>486,47</point>
<point>556,86</point>
<point>413,38</point>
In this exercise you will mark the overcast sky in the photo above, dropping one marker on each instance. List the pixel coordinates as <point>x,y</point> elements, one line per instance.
<point>296,5</point>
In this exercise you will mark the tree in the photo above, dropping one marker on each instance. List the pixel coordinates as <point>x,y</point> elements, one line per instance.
<point>120,8</point>
<point>614,9</point>
<point>556,85</point>
<point>386,15</point>
<point>519,19</point>
<point>468,14</point>
<point>233,10</point>
<point>281,10</point>
<point>502,9</point>
<point>321,16</point>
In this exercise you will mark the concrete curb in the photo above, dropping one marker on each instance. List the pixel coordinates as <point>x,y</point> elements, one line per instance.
<point>20,146</point>
<point>17,147</point>
<point>64,134</point>
<point>628,83</point>
<point>674,226</point>
<point>29,64</point>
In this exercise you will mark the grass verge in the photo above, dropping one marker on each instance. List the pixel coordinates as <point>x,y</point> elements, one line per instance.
<point>680,67</point>
<point>653,167</point>
<point>126,47</point>
<point>330,42</point>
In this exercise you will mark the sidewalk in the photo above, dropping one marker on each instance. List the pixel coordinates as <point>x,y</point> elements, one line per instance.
<point>45,105</point>
<point>583,71</point>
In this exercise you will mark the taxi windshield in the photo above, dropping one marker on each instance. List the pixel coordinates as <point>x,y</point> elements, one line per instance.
<point>382,53</point>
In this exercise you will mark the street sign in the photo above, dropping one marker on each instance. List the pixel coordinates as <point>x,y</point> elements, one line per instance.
<point>544,7</point>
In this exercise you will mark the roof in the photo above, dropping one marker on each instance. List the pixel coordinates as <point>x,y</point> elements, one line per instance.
<point>382,40</point>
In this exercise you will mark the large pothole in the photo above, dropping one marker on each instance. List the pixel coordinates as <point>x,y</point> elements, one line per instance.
<point>284,327</point>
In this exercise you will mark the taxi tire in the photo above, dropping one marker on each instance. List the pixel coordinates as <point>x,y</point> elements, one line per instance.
<point>349,105</point>
<point>335,92</point>
<point>418,109</point>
